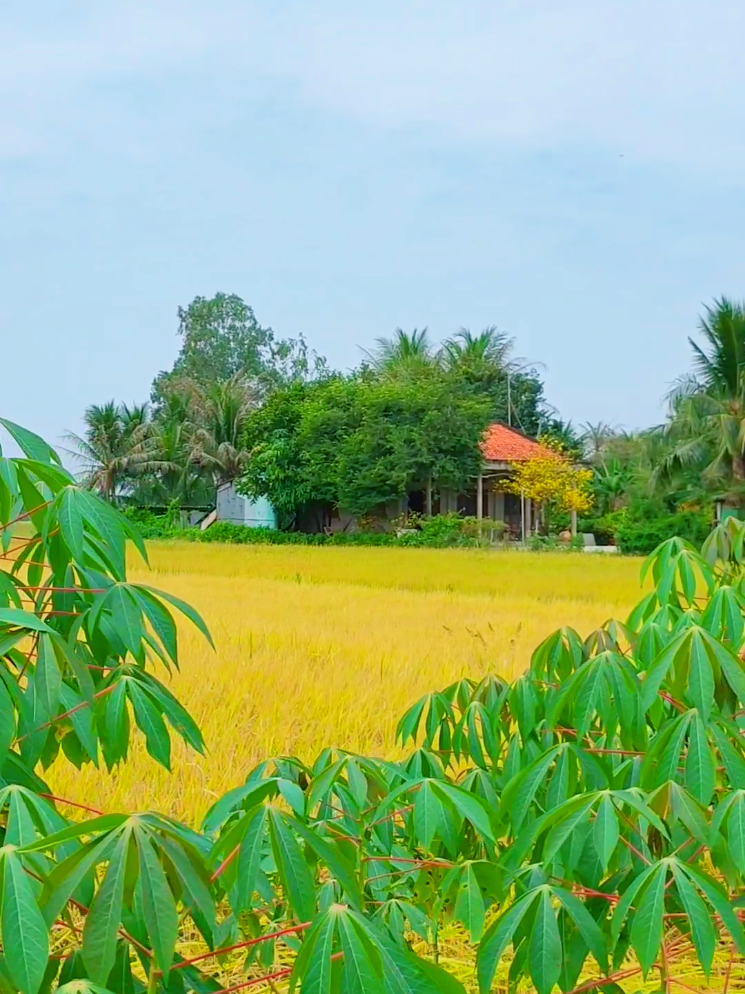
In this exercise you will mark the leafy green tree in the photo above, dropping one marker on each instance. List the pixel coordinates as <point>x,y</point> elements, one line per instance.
<point>220,413</point>
<point>294,442</point>
<point>719,363</point>
<point>360,443</point>
<point>410,435</point>
<point>174,474</point>
<point>221,339</point>
<point>487,363</point>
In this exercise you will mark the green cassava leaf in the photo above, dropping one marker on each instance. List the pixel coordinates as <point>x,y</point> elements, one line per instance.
<point>703,932</point>
<point>469,903</point>
<point>363,964</point>
<point>249,855</point>
<point>700,769</point>
<point>313,965</point>
<point>586,925</point>
<point>545,945</point>
<point>34,447</point>
<point>186,609</point>
<point>498,936</point>
<point>294,874</point>
<point>646,928</point>
<point>150,722</point>
<point>24,931</point>
<point>158,905</point>
<point>103,920</point>
<point>605,830</point>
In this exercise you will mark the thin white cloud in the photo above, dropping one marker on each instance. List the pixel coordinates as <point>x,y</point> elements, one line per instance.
<point>659,81</point>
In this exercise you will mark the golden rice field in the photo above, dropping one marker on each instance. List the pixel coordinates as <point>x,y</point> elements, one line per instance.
<point>328,646</point>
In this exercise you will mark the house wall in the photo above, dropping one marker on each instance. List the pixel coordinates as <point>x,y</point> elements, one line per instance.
<point>238,510</point>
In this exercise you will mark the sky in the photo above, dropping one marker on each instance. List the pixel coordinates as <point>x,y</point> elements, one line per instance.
<point>568,170</point>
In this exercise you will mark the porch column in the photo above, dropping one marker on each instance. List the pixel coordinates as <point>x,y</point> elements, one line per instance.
<point>574,522</point>
<point>428,497</point>
<point>523,531</point>
<point>528,516</point>
<point>498,505</point>
<point>480,499</point>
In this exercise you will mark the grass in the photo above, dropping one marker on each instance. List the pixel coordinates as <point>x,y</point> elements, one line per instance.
<point>328,646</point>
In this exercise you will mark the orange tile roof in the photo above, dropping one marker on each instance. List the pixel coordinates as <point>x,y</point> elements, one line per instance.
<point>503,444</point>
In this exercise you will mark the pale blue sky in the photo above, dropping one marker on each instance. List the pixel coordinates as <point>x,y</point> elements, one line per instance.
<point>570,170</point>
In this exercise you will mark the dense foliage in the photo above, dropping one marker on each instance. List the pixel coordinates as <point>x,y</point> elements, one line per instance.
<point>361,443</point>
<point>591,809</point>
<point>693,460</point>
<point>221,339</point>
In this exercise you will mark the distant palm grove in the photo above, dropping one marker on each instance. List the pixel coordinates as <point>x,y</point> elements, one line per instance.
<point>242,406</point>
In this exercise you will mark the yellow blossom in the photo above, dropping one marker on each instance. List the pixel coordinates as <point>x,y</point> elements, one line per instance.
<point>552,478</point>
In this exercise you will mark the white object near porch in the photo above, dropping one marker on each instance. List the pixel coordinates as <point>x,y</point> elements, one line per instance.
<point>239,510</point>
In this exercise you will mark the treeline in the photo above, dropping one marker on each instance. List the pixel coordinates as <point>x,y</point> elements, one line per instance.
<point>242,405</point>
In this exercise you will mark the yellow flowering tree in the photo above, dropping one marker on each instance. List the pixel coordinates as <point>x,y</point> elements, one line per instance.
<point>552,480</point>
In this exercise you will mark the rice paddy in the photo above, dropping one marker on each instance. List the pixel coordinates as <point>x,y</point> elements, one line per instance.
<point>328,646</point>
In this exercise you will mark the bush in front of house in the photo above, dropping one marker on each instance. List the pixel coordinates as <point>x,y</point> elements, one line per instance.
<point>149,524</point>
<point>223,531</point>
<point>440,532</point>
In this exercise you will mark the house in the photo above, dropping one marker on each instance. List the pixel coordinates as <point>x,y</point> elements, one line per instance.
<point>501,447</point>
<point>232,507</point>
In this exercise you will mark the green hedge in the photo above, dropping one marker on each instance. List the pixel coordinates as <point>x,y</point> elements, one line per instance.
<point>445,531</point>
<point>222,531</point>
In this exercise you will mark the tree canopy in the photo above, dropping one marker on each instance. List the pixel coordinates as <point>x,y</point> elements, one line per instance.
<point>222,339</point>
<point>361,442</point>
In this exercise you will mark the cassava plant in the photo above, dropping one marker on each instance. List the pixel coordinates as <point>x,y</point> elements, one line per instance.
<point>584,823</point>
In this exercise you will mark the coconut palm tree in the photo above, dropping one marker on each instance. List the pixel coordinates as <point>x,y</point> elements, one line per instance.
<point>220,413</point>
<point>114,446</point>
<point>719,364</point>
<point>595,439</point>
<point>706,424</point>
<point>402,352</point>
<point>174,474</point>
<point>491,349</point>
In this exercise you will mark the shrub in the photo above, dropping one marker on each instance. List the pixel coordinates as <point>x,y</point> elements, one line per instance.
<point>639,529</point>
<point>443,531</point>
<point>639,537</point>
<point>149,524</point>
<point>604,528</point>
